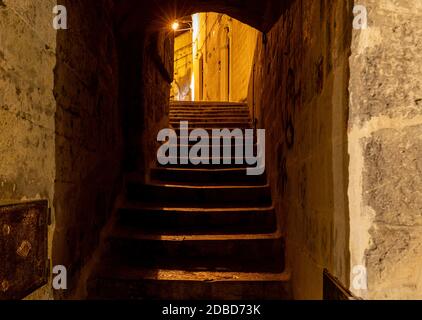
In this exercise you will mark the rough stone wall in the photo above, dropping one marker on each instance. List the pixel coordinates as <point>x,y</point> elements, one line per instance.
<point>27,105</point>
<point>299,94</point>
<point>157,77</point>
<point>146,62</point>
<point>385,146</point>
<point>88,133</point>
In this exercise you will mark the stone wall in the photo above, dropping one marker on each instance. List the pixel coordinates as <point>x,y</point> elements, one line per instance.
<point>157,76</point>
<point>27,104</point>
<point>243,44</point>
<point>385,146</point>
<point>299,94</point>
<point>227,49</point>
<point>88,142</point>
<point>183,67</point>
<point>146,73</point>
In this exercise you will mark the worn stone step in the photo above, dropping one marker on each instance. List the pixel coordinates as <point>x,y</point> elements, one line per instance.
<point>210,107</point>
<point>231,147</point>
<point>206,176</point>
<point>210,118</point>
<point>234,140</point>
<point>214,125</point>
<point>209,130</point>
<point>234,252</point>
<point>198,220</point>
<point>242,137</point>
<point>210,113</point>
<point>234,112</point>
<point>210,165</point>
<point>115,281</point>
<point>198,196</point>
<point>206,103</point>
<point>207,106</point>
<point>176,162</point>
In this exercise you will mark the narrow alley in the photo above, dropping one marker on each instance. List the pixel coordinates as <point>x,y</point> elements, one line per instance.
<point>210,150</point>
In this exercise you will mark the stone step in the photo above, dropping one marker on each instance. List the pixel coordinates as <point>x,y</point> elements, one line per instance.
<point>180,162</point>
<point>208,108</point>
<point>229,252</point>
<point>214,125</point>
<point>234,140</point>
<point>209,114</point>
<point>199,111</point>
<point>206,103</point>
<point>209,130</point>
<point>231,159</point>
<point>232,147</point>
<point>215,118</point>
<point>214,107</point>
<point>209,117</point>
<point>206,176</point>
<point>245,139</point>
<point>115,281</point>
<point>199,196</point>
<point>197,220</point>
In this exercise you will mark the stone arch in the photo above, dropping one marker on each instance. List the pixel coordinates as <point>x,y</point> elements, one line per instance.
<point>135,16</point>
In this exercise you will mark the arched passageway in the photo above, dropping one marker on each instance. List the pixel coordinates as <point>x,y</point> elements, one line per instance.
<point>296,84</point>
<point>339,100</point>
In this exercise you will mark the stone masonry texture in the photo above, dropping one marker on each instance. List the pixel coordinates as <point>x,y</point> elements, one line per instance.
<point>88,149</point>
<point>298,93</point>
<point>27,104</point>
<point>385,132</point>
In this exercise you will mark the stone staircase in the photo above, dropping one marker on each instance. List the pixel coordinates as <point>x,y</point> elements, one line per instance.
<point>195,232</point>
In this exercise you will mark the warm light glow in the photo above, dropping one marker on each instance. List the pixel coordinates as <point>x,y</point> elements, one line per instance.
<point>192,87</point>
<point>175,26</point>
<point>195,27</point>
<point>195,41</point>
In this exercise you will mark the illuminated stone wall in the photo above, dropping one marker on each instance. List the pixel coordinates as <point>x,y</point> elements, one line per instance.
<point>225,47</point>
<point>299,94</point>
<point>183,67</point>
